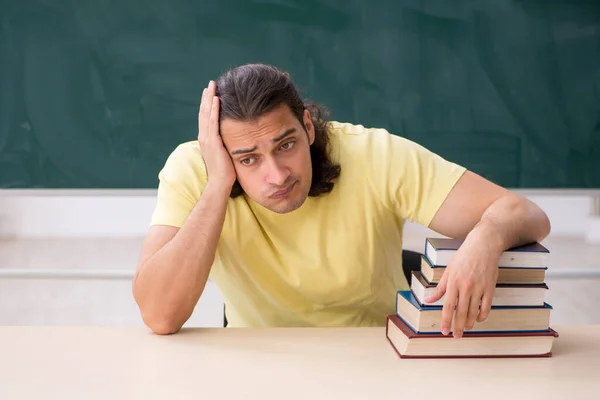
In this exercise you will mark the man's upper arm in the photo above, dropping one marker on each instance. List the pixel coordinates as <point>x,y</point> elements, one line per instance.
<point>411,180</point>
<point>465,204</point>
<point>181,182</point>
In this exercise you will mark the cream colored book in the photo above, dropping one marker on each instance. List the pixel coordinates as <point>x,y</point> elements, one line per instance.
<point>534,255</point>
<point>504,294</point>
<point>433,273</point>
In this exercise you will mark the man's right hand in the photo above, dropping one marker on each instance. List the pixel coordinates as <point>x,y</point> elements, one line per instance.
<point>218,162</point>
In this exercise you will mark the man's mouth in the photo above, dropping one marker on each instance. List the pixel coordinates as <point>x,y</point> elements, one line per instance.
<point>283,192</point>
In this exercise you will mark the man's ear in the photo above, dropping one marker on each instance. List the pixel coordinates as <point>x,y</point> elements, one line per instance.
<point>310,127</point>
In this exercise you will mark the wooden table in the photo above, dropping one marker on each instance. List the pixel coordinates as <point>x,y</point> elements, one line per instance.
<point>283,363</point>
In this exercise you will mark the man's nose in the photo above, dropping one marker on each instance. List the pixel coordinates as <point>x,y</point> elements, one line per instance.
<point>277,174</point>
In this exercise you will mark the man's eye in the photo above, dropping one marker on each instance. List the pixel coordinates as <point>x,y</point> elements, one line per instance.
<point>287,145</point>
<point>247,161</point>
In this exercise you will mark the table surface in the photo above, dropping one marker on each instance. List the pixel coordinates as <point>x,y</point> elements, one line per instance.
<point>277,363</point>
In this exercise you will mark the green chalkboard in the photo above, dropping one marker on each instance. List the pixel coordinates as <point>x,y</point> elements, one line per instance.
<point>96,94</point>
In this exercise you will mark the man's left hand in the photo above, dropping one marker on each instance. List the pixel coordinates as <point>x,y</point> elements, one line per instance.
<point>468,284</point>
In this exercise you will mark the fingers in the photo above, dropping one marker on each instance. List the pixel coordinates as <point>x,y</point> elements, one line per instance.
<point>203,105</point>
<point>440,289</point>
<point>205,108</point>
<point>202,116</point>
<point>460,317</point>
<point>486,305</point>
<point>448,309</point>
<point>473,311</point>
<point>213,123</point>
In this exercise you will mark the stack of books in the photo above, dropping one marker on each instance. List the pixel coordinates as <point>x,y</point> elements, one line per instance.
<point>518,324</point>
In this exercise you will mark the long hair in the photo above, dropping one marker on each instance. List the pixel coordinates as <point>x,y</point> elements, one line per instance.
<point>251,90</point>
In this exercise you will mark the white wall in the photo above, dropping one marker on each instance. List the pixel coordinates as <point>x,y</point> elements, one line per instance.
<point>86,300</point>
<point>39,213</point>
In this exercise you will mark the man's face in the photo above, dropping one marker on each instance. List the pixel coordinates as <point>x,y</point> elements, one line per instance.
<point>271,157</point>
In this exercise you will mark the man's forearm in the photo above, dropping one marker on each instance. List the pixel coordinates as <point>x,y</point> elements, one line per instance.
<point>170,282</point>
<point>511,221</point>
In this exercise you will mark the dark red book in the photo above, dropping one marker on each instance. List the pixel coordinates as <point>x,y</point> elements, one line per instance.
<point>409,344</point>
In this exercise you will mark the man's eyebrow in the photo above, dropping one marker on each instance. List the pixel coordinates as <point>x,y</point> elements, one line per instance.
<point>243,151</point>
<point>284,134</point>
<point>277,139</point>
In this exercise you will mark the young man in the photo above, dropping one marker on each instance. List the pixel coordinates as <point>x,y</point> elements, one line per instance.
<point>299,221</point>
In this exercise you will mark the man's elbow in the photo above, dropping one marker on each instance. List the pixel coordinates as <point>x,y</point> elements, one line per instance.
<point>546,226</point>
<point>158,321</point>
<point>541,222</point>
<point>161,325</point>
<point>165,329</point>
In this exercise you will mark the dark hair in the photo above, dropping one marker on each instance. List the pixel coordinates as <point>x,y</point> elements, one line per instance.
<point>251,90</point>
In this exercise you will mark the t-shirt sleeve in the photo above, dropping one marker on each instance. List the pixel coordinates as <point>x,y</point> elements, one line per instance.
<point>410,179</point>
<point>181,182</point>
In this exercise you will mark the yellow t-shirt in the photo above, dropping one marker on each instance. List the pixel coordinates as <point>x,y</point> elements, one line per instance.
<point>335,261</point>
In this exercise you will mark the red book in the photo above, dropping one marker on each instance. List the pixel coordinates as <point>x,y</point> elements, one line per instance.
<point>409,344</point>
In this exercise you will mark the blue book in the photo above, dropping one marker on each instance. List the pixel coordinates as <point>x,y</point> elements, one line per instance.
<point>427,319</point>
